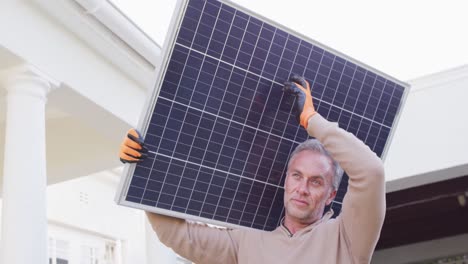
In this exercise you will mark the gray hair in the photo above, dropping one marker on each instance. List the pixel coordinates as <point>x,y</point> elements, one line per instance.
<point>316,146</point>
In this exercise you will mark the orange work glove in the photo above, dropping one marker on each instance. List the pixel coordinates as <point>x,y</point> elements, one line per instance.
<point>132,149</point>
<point>304,106</point>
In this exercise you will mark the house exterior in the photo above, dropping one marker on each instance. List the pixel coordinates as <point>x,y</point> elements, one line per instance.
<point>74,76</point>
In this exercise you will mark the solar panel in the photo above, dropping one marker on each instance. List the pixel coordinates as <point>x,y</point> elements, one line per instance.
<point>219,129</point>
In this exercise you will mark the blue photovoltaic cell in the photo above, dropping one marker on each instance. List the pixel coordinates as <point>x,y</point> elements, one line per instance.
<point>221,131</point>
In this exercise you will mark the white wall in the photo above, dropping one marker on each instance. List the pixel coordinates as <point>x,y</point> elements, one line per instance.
<point>430,143</point>
<point>83,212</point>
<point>74,245</point>
<point>87,204</point>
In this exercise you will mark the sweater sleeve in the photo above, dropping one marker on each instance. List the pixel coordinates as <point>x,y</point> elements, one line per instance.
<point>197,242</point>
<point>363,209</point>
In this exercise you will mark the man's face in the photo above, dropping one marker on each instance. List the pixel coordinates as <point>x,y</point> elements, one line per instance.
<point>308,187</point>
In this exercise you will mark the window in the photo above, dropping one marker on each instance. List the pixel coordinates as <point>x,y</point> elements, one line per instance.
<point>110,254</point>
<point>89,255</point>
<point>58,251</point>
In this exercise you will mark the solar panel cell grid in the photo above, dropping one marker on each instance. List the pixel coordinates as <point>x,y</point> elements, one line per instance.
<point>221,131</point>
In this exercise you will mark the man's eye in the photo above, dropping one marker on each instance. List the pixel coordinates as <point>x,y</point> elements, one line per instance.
<point>316,182</point>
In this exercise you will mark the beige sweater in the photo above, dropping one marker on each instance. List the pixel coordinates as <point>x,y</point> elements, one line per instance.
<point>350,238</point>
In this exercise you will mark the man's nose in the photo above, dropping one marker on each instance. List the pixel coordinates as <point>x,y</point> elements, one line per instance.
<point>303,188</point>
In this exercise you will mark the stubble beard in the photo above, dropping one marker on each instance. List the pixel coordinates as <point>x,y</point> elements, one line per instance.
<point>307,216</point>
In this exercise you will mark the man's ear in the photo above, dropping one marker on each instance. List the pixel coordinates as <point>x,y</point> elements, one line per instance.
<point>331,197</point>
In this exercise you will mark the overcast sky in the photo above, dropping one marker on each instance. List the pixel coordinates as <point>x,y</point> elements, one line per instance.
<point>403,38</point>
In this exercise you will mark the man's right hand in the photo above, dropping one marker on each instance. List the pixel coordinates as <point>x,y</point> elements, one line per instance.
<point>131,148</point>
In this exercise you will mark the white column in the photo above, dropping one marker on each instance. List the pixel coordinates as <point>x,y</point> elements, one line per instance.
<point>24,218</point>
<point>118,252</point>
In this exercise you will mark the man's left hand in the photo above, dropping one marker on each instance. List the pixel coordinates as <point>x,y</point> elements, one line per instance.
<point>304,106</point>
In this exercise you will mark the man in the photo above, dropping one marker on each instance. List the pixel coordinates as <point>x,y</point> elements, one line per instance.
<point>312,178</point>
